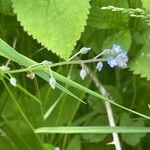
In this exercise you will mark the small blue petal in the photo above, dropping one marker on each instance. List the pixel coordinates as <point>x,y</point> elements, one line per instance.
<point>99,66</point>
<point>112,62</point>
<point>116,48</point>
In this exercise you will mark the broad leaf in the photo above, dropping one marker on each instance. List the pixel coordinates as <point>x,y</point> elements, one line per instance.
<point>55,24</point>
<point>94,38</point>
<point>96,121</point>
<point>123,38</point>
<point>131,139</point>
<point>146,4</point>
<point>141,64</point>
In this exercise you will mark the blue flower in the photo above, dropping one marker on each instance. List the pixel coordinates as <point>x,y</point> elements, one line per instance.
<point>116,48</point>
<point>99,66</point>
<point>122,60</point>
<point>112,62</point>
<point>118,57</point>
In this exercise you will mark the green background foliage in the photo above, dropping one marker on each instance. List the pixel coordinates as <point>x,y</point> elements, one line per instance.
<point>32,31</point>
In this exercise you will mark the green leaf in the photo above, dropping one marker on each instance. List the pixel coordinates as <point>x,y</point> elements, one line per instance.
<point>131,139</point>
<point>96,105</point>
<point>95,121</point>
<point>22,125</point>
<point>94,38</point>
<point>146,4</point>
<point>49,111</point>
<point>48,147</point>
<point>6,7</point>
<point>55,24</point>
<point>123,38</point>
<point>141,64</point>
<point>75,143</point>
<point>103,19</point>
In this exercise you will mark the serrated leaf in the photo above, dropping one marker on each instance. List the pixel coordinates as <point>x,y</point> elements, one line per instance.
<point>123,38</point>
<point>103,19</point>
<point>55,24</point>
<point>146,4</point>
<point>131,139</point>
<point>141,64</point>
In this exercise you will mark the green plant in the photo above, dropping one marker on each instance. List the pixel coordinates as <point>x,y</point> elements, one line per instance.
<point>83,83</point>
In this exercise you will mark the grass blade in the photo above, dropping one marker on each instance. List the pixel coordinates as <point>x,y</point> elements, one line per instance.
<point>96,129</point>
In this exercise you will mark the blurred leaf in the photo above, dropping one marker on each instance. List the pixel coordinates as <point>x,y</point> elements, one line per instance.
<point>67,106</point>
<point>75,143</point>
<point>96,121</point>
<point>48,147</point>
<point>5,144</point>
<point>141,64</point>
<point>19,128</point>
<point>55,24</point>
<point>114,93</point>
<point>93,38</point>
<point>19,138</point>
<point>146,4</point>
<point>131,139</point>
<point>6,7</point>
<point>123,38</point>
<point>96,105</point>
<point>103,19</point>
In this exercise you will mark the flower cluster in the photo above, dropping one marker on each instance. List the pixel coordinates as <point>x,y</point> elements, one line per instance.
<point>115,57</point>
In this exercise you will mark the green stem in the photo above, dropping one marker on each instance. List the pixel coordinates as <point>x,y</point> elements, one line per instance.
<point>40,67</point>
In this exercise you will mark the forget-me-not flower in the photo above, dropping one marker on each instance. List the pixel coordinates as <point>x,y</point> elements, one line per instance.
<point>117,57</point>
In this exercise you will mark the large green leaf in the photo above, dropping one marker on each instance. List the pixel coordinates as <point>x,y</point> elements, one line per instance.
<point>141,64</point>
<point>123,38</point>
<point>146,4</point>
<point>131,139</point>
<point>55,24</point>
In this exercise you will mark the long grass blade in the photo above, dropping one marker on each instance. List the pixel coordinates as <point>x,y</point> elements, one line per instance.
<point>96,129</point>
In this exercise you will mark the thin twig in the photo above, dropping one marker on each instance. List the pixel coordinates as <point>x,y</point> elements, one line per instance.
<point>102,90</point>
